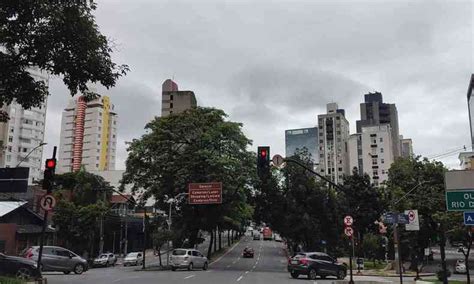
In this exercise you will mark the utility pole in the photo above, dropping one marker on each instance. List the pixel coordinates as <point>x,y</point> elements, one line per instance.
<point>144,236</point>
<point>398,251</point>
<point>113,245</point>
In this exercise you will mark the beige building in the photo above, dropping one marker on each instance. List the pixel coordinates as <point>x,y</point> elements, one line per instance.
<point>22,135</point>
<point>88,135</point>
<point>406,147</point>
<point>371,152</point>
<point>174,101</point>
<point>333,132</point>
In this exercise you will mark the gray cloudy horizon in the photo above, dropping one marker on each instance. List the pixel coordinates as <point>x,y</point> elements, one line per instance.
<point>274,65</point>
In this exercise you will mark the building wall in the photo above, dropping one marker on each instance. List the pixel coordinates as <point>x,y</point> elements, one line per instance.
<point>470,105</point>
<point>354,147</point>
<point>88,136</point>
<point>8,238</point>
<point>406,148</point>
<point>174,101</point>
<point>302,138</point>
<point>376,152</point>
<point>333,131</point>
<point>22,133</point>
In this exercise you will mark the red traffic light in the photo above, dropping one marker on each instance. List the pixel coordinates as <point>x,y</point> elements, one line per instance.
<point>51,164</point>
<point>263,153</point>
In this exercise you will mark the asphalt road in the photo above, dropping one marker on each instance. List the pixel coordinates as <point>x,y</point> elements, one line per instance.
<point>268,266</point>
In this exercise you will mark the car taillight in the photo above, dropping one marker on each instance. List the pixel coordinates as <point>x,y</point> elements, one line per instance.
<point>29,254</point>
<point>304,261</point>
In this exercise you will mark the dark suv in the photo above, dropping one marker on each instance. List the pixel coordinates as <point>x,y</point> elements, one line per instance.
<point>315,264</point>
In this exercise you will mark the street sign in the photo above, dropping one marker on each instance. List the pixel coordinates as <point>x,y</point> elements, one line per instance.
<point>390,218</point>
<point>460,200</point>
<point>348,231</point>
<point>348,220</point>
<point>402,219</point>
<point>47,202</point>
<point>414,223</point>
<point>469,218</point>
<point>14,179</point>
<point>277,160</point>
<point>205,193</point>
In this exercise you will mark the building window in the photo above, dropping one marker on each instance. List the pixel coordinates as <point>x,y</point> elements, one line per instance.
<point>10,139</point>
<point>9,158</point>
<point>321,141</point>
<point>339,169</point>
<point>113,136</point>
<point>25,150</point>
<point>171,97</point>
<point>375,173</point>
<point>9,148</point>
<point>381,150</point>
<point>374,161</point>
<point>381,139</point>
<point>98,143</point>
<point>171,105</point>
<point>96,165</point>
<point>97,158</point>
<point>376,183</point>
<point>382,161</point>
<point>383,172</point>
<point>12,129</point>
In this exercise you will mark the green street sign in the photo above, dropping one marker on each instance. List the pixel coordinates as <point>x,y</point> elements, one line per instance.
<point>460,200</point>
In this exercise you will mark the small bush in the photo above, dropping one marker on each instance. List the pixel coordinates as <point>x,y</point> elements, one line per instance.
<point>440,274</point>
<point>5,280</point>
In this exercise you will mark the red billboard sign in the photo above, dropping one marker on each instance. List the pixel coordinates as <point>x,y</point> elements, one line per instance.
<point>205,193</point>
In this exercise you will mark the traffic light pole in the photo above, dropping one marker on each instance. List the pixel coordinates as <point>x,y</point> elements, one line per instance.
<point>45,221</point>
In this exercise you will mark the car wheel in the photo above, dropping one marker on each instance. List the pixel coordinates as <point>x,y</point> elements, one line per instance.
<point>125,264</point>
<point>294,275</point>
<point>173,268</point>
<point>205,266</point>
<point>190,267</point>
<point>24,273</point>
<point>312,274</point>
<point>107,264</point>
<point>341,274</point>
<point>78,269</point>
<point>66,272</point>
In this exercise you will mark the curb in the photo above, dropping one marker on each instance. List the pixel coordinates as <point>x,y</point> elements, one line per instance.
<point>229,250</point>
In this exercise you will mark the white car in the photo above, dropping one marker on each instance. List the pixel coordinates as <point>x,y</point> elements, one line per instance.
<point>133,258</point>
<point>460,267</point>
<point>188,258</point>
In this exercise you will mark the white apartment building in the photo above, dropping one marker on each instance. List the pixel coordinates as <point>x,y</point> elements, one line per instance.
<point>333,132</point>
<point>23,134</point>
<point>88,135</point>
<point>371,152</point>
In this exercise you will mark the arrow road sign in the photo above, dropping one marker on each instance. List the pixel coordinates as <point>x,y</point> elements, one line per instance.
<point>348,231</point>
<point>469,218</point>
<point>348,221</point>
<point>47,202</point>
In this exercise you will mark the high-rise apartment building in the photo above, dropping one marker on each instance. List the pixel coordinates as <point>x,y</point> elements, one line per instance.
<point>373,111</point>
<point>333,132</point>
<point>470,106</point>
<point>22,135</point>
<point>406,147</point>
<point>88,135</point>
<point>174,101</point>
<point>371,152</point>
<point>298,139</point>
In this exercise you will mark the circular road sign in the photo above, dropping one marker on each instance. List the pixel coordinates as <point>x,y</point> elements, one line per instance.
<point>411,215</point>
<point>277,160</point>
<point>348,231</point>
<point>348,221</point>
<point>47,202</point>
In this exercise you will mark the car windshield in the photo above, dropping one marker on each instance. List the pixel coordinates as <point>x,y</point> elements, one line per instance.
<point>132,255</point>
<point>179,252</point>
<point>103,256</point>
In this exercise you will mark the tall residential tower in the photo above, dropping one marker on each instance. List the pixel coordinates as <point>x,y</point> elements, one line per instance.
<point>297,139</point>
<point>333,135</point>
<point>88,135</point>
<point>174,101</point>
<point>23,133</point>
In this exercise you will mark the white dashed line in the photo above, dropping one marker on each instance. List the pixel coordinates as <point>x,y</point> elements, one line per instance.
<point>228,266</point>
<point>246,272</point>
<point>240,278</point>
<point>190,276</point>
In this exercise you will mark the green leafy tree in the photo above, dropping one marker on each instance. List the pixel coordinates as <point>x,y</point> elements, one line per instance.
<point>59,37</point>
<point>198,145</point>
<point>83,200</point>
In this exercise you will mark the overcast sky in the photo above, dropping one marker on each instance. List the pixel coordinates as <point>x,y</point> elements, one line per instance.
<point>273,65</point>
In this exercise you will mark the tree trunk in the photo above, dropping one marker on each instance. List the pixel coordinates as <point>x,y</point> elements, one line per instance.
<point>220,240</point>
<point>232,235</point>
<point>228,238</point>
<point>209,250</point>
<point>466,256</point>
<point>159,255</point>
<point>215,240</point>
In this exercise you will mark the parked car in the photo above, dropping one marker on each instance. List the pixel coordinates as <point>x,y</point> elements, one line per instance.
<point>133,258</point>
<point>460,267</point>
<point>58,259</point>
<point>188,258</point>
<point>256,237</point>
<point>278,238</point>
<point>105,259</point>
<point>248,252</point>
<point>315,264</point>
<point>18,267</point>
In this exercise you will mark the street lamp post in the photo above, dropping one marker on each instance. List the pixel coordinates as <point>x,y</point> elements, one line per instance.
<point>29,153</point>
<point>170,202</point>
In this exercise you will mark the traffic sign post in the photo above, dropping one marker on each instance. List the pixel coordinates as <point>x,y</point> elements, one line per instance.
<point>47,202</point>
<point>278,161</point>
<point>414,223</point>
<point>349,232</point>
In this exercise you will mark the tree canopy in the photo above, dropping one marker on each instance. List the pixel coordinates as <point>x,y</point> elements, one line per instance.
<point>58,37</point>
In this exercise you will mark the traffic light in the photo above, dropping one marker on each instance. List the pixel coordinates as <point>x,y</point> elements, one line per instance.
<point>48,179</point>
<point>263,161</point>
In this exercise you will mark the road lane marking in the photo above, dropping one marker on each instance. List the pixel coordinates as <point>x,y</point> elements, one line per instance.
<point>225,252</point>
<point>190,276</point>
<point>117,280</point>
<point>228,266</point>
<point>240,278</point>
<point>246,272</point>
